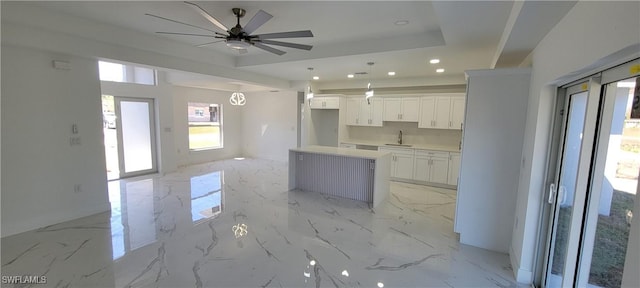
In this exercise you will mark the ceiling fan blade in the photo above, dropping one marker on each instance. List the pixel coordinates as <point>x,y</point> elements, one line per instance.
<point>175,21</point>
<point>258,20</point>
<point>208,16</point>
<point>268,49</point>
<point>209,43</point>
<point>291,34</point>
<point>186,34</point>
<point>287,44</point>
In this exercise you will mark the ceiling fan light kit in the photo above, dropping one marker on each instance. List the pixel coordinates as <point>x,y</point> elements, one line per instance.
<point>240,38</point>
<point>237,44</point>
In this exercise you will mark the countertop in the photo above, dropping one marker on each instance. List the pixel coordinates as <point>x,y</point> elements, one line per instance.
<point>413,146</point>
<point>357,153</point>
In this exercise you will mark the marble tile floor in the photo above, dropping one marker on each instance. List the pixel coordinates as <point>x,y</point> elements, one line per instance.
<point>233,223</point>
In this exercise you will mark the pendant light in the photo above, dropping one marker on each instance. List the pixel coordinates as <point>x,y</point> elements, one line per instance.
<point>237,99</point>
<point>369,93</point>
<point>309,91</point>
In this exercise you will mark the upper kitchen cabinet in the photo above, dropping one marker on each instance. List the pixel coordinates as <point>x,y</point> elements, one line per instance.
<point>442,112</point>
<point>324,103</point>
<point>361,112</point>
<point>403,109</point>
<point>457,112</point>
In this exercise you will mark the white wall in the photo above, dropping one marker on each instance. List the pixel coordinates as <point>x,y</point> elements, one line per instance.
<point>588,33</point>
<point>40,168</point>
<point>231,125</point>
<point>269,125</point>
<point>491,148</point>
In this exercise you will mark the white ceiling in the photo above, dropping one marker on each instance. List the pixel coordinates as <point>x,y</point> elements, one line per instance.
<point>347,35</point>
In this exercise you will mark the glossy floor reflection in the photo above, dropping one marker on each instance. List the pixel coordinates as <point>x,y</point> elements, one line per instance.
<point>234,224</point>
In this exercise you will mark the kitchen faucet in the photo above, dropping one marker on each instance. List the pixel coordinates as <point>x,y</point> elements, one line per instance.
<point>400,137</point>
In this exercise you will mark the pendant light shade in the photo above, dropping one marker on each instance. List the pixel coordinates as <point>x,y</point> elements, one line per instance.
<point>369,93</point>
<point>309,91</point>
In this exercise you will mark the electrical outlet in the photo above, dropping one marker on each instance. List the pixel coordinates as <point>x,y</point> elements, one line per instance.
<point>74,141</point>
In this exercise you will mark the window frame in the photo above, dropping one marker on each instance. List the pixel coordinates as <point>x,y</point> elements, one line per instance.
<point>196,106</point>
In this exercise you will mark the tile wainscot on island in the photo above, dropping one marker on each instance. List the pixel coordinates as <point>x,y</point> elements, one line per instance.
<point>355,174</point>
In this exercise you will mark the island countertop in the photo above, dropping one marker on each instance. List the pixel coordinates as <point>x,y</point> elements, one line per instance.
<point>356,153</point>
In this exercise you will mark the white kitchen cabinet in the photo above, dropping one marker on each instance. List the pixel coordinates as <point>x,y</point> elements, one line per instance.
<point>442,118</point>
<point>454,168</point>
<point>324,103</point>
<point>403,109</point>
<point>401,162</point>
<point>427,112</point>
<point>373,110</point>
<point>457,112</point>
<point>431,166</point>
<point>441,112</point>
<point>353,111</point>
<point>361,112</point>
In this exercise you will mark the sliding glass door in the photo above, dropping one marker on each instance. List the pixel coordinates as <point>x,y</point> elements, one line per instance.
<point>563,189</point>
<point>594,180</point>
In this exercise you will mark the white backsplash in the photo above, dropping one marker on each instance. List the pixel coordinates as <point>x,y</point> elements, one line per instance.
<point>411,134</point>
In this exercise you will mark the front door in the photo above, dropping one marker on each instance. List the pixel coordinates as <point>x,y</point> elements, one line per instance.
<point>136,136</point>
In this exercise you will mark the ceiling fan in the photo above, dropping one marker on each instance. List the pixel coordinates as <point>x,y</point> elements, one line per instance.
<point>240,38</point>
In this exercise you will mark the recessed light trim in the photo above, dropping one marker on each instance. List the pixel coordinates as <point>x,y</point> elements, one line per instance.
<point>316,78</point>
<point>350,76</point>
<point>434,61</point>
<point>401,22</point>
<point>391,73</point>
<point>440,70</point>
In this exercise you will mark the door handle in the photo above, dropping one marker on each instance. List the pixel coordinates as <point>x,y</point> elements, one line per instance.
<point>552,193</point>
<point>562,194</point>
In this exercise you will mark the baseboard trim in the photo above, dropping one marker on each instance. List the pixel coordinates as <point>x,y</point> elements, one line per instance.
<point>523,276</point>
<point>9,229</point>
<point>410,181</point>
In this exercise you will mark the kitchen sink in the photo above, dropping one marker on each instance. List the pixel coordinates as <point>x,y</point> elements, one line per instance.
<point>399,145</point>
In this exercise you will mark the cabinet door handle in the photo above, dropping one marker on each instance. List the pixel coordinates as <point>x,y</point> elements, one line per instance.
<point>449,123</point>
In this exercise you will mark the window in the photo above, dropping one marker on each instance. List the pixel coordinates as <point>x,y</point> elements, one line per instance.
<point>116,72</point>
<point>205,129</point>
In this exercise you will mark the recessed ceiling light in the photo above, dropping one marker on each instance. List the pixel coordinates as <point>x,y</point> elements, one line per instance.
<point>391,73</point>
<point>316,77</point>
<point>350,76</point>
<point>439,70</point>
<point>434,61</point>
<point>401,22</point>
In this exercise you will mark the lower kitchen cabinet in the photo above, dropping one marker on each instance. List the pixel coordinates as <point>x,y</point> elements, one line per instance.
<point>401,162</point>
<point>431,166</point>
<point>454,168</point>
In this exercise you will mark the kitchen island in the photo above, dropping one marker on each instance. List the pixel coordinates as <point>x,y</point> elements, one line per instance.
<point>355,174</point>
